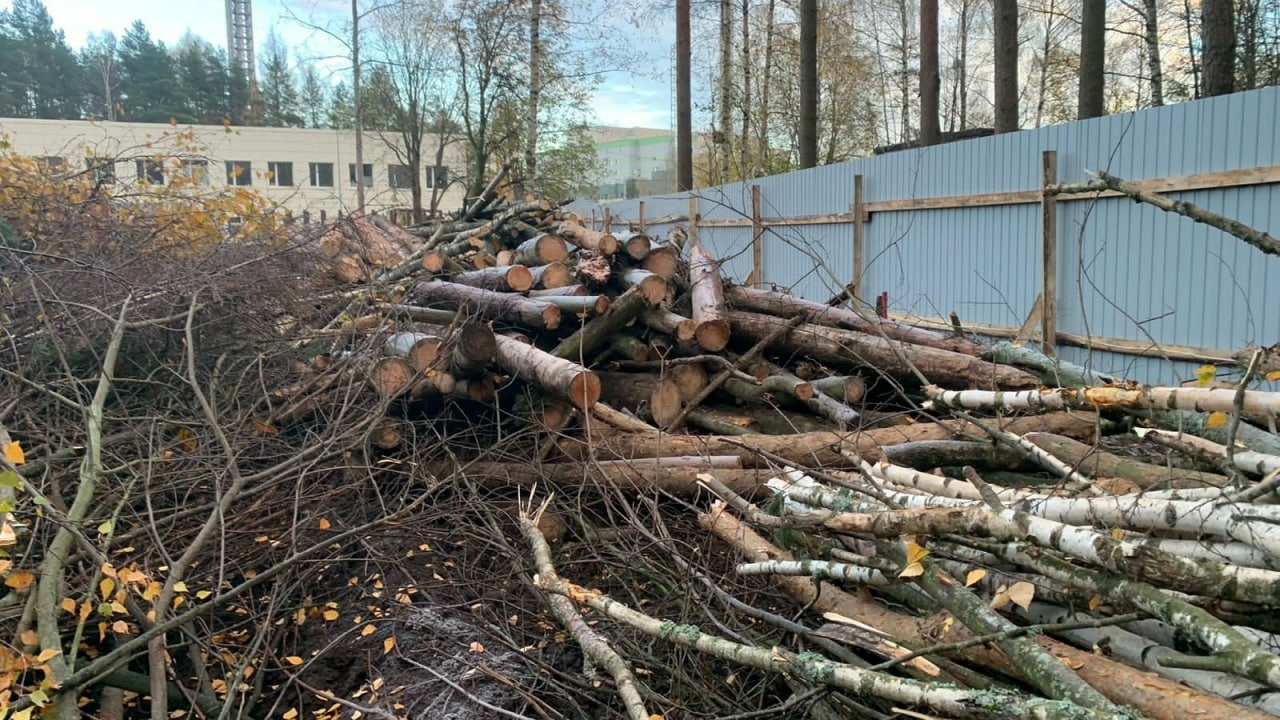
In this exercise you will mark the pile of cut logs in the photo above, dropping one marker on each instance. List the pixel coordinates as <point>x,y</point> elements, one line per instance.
<point>962,479</point>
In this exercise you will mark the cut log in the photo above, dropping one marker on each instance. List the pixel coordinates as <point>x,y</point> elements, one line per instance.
<point>663,261</point>
<point>419,349</point>
<point>391,376</point>
<point>819,449</point>
<point>619,419</point>
<point>564,291</point>
<point>650,396</point>
<point>588,305</point>
<point>541,249</point>
<point>433,382</point>
<point>653,287</point>
<point>635,245</point>
<point>466,349</point>
<point>601,243</point>
<point>782,384</point>
<point>825,406</point>
<point>721,423</point>
<point>711,327</point>
<point>691,378</point>
<point>681,481</point>
<point>847,347</point>
<point>1095,462</point>
<point>513,278</point>
<point>596,333</point>
<point>479,389</point>
<point>437,262</point>
<point>387,433</point>
<point>848,390</point>
<point>562,377</point>
<point>788,306</point>
<point>630,348</point>
<point>677,326</point>
<point>489,304</point>
<point>550,276</point>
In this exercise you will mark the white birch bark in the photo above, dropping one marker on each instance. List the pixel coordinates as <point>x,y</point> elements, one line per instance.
<point>1155,398</point>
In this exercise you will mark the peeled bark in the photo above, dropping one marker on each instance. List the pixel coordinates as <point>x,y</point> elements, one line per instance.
<point>513,278</point>
<point>649,396</point>
<point>711,327</point>
<point>601,243</point>
<point>541,249</point>
<point>846,347</point>
<point>819,449</point>
<point>787,306</point>
<point>562,377</point>
<point>489,304</point>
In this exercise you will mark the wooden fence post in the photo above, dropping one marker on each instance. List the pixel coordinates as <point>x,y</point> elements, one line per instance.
<point>1049,289</point>
<point>859,210</point>
<point>608,220</point>
<point>642,218</point>
<point>693,220</point>
<point>757,240</point>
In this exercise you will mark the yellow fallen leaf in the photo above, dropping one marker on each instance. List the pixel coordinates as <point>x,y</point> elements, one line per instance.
<point>1205,374</point>
<point>915,552</point>
<point>915,569</point>
<point>20,580</point>
<point>1272,376</point>
<point>8,536</point>
<point>477,647</point>
<point>324,524</point>
<point>179,586</point>
<point>293,660</point>
<point>1095,602</point>
<point>106,586</point>
<point>68,604</point>
<point>1216,419</point>
<point>290,714</point>
<point>47,655</point>
<point>388,645</point>
<point>13,453</point>
<point>120,627</point>
<point>1022,593</point>
<point>974,576</point>
<point>368,630</point>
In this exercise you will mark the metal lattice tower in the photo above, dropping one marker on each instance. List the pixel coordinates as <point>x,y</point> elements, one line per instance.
<point>240,37</point>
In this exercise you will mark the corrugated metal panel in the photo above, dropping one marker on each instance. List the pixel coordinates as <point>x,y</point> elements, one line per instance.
<point>1125,270</point>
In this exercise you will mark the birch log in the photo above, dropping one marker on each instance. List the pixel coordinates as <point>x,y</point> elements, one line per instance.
<point>711,328</point>
<point>1197,399</point>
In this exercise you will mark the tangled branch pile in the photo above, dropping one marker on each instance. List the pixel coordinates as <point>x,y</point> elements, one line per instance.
<point>509,464</point>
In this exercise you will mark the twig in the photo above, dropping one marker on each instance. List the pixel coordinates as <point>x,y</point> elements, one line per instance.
<point>1238,414</point>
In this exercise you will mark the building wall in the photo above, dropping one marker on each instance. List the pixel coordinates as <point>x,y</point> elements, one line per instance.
<point>1124,270</point>
<point>75,140</point>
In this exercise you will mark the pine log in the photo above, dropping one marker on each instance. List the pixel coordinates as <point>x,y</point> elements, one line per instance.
<point>512,278</point>
<point>677,326</point>
<point>635,245</point>
<point>847,347</point>
<point>391,376</point>
<point>565,291</point>
<point>821,449</point>
<point>489,304</point>
<point>649,477</point>
<point>787,306</point>
<point>630,348</point>
<point>567,379</point>
<point>596,333</point>
<point>848,389</point>
<point>419,349</point>
<point>1095,463</point>
<point>601,243</point>
<point>650,396</point>
<point>711,327</point>
<point>541,249</point>
<point>551,275</point>
<point>589,305</point>
<point>653,287</point>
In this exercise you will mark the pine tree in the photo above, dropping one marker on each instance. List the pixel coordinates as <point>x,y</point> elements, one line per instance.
<point>151,92</point>
<point>46,68</point>
<point>203,82</point>
<point>313,98</point>
<point>341,110</point>
<point>277,88</point>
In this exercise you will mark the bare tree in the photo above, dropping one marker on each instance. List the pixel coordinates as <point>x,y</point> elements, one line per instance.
<point>1005,25</point>
<point>808,83</point>
<point>1093,43</point>
<point>1218,38</point>
<point>930,80</point>
<point>766,79</point>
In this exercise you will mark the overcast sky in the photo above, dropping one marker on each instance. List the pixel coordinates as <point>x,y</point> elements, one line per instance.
<point>639,96</point>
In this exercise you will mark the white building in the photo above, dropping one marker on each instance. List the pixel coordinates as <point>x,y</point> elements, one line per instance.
<point>303,170</point>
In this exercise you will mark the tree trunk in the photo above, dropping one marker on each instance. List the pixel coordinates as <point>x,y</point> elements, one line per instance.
<point>726,90</point>
<point>597,241</point>
<point>817,449</point>
<point>1151,35</point>
<point>629,348</point>
<point>1094,462</point>
<point>541,249</point>
<point>707,292</point>
<point>551,276</point>
<point>677,326</point>
<point>1093,47</point>
<point>650,396</point>
<point>651,286</point>
<point>512,278</point>
<point>846,347</point>
<point>849,390</point>
<point>489,304</point>
<point>356,104</point>
<point>588,305</point>
<point>592,336</point>
<point>679,480</point>
<point>565,291</point>
<point>930,79</point>
<point>788,306</point>
<point>1005,21</point>
<point>684,105</point>
<point>662,260</point>
<point>962,79</point>
<point>636,245</point>
<point>809,83</point>
<point>763,163</point>
<point>744,143</point>
<point>535,89</point>
<point>1218,40</point>
<point>562,377</point>
<point>690,378</point>
<point>781,384</point>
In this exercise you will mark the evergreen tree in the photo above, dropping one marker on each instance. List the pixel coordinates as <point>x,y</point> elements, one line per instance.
<point>203,80</point>
<point>151,92</point>
<point>239,97</point>
<point>313,98</point>
<point>100,73</point>
<point>44,64</point>
<point>13,83</point>
<point>379,104</point>
<point>279,93</point>
<point>341,110</point>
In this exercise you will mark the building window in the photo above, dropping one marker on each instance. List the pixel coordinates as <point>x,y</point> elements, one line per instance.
<point>53,163</point>
<point>437,177</point>
<point>195,170</point>
<point>102,169</point>
<point>150,171</point>
<point>280,174</point>
<point>321,174</point>
<point>367,173</point>
<point>400,176</point>
<point>239,172</point>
